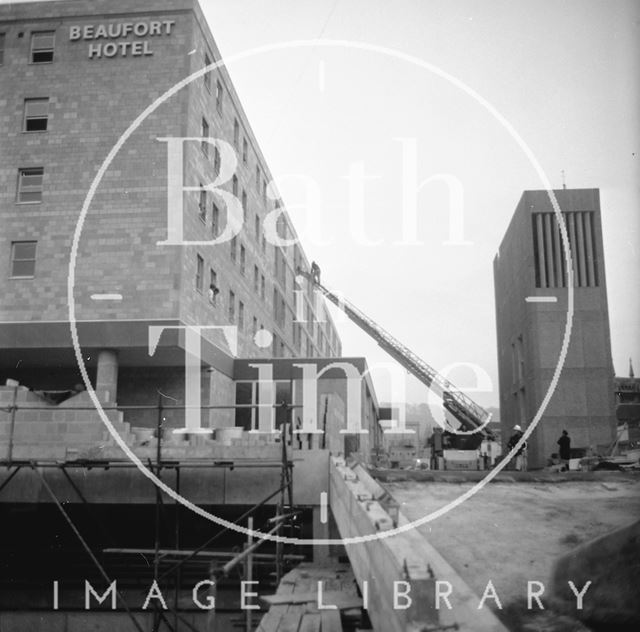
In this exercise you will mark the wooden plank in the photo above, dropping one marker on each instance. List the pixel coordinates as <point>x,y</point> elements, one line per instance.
<point>290,622</point>
<point>310,622</point>
<point>330,621</point>
<point>341,600</point>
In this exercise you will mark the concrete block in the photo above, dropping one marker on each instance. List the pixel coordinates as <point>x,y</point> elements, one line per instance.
<point>612,563</point>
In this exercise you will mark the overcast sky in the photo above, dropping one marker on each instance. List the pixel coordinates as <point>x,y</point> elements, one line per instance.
<point>564,74</point>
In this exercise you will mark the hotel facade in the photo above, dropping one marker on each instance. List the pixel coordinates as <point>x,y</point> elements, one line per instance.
<point>75,75</point>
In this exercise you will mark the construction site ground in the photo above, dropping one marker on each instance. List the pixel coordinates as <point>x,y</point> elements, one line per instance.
<point>515,527</point>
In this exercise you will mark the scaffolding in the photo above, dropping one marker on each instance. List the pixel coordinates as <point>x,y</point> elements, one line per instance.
<point>221,563</point>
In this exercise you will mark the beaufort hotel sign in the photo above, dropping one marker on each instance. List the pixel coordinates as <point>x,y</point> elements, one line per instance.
<point>121,32</point>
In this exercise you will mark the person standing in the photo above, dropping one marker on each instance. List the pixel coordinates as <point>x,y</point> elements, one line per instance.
<point>515,437</point>
<point>565,449</point>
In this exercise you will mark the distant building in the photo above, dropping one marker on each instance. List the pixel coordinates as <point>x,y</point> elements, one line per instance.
<point>627,393</point>
<point>530,279</point>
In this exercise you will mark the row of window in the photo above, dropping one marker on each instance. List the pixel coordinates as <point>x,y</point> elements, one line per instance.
<point>213,291</point>
<point>23,266</point>
<point>279,305</point>
<point>41,50</point>
<point>217,161</point>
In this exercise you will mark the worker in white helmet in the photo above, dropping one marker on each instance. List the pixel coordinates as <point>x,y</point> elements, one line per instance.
<point>515,437</point>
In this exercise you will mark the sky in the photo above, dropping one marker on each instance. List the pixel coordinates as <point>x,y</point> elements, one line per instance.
<point>563,74</point>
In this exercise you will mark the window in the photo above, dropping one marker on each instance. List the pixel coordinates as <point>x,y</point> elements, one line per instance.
<point>244,205</point>
<point>264,191</point>
<point>254,326</point>
<point>257,177</point>
<point>205,134</point>
<point>232,306</point>
<point>236,133</point>
<point>234,243</point>
<point>257,226</point>
<point>264,244</point>
<point>23,259</point>
<point>199,272</point>
<point>215,221</point>
<point>42,47</point>
<point>202,205</point>
<point>30,184</point>
<point>207,77</point>
<point>1,49</point>
<point>245,150</point>
<point>36,115</point>
<point>240,315</point>
<point>262,286</point>
<point>243,259</point>
<point>234,185</point>
<point>213,286</point>
<point>256,279</point>
<point>219,96</point>
<point>216,160</point>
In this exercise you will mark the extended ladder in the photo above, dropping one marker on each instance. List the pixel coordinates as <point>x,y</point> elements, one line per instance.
<point>471,416</point>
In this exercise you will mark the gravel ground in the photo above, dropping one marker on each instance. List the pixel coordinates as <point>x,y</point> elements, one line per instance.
<point>511,532</point>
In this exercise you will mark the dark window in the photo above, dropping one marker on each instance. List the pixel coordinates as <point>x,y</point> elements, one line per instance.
<point>234,185</point>
<point>244,205</point>
<point>245,150</point>
<point>36,115</point>
<point>219,96</point>
<point>254,326</point>
<point>262,287</point>
<point>30,184</point>
<point>257,226</point>
<point>243,258</point>
<point>199,272</point>
<point>264,190</point>
<point>205,134</point>
<point>202,205</point>
<point>207,77</point>
<point>232,306</point>
<point>23,259</point>
<point>213,286</point>
<point>42,47</point>
<point>240,315</point>
<point>264,244</point>
<point>216,160</point>
<point>215,221</point>
<point>233,245</point>
<point>236,133</point>
<point>256,278</point>
<point>257,177</point>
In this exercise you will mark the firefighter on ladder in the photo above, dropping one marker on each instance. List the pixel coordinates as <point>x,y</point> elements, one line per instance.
<point>315,273</point>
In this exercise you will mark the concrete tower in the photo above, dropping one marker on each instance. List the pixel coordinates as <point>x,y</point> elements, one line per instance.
<point>530,279</point>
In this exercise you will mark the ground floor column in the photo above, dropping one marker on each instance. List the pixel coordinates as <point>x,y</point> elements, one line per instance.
<point>107,376</point>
